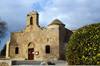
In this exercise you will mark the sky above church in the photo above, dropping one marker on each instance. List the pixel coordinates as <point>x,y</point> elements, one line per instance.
<point>73,13</point>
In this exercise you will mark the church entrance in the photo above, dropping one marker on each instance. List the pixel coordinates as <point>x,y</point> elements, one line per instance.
<point>31,54</point>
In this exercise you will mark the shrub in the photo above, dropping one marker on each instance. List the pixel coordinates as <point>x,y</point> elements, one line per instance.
<point>84,46</point>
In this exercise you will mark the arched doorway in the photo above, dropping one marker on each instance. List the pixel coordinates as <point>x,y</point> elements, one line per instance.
<point>31,54</point>
<point>31,51</point>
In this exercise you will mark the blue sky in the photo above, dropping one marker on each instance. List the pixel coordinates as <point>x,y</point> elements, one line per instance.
<point>73,13</point>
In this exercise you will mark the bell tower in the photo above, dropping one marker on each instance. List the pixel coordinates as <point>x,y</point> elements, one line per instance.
<point>32,18</point>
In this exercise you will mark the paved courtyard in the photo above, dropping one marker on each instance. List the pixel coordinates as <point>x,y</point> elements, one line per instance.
<point>29,62</point>
<point>32,62</point>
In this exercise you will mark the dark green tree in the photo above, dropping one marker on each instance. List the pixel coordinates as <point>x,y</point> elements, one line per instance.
<point>3,51</point>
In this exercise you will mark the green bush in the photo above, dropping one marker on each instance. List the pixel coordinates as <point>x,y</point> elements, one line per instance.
<point>84,46</point>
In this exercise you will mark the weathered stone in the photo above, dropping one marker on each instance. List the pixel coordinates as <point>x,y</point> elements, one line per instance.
<point>5,62</point>
<point>33,36</point>
<point>44,63</point>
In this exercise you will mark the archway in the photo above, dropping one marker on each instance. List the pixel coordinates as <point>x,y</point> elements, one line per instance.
<point>31,51</point>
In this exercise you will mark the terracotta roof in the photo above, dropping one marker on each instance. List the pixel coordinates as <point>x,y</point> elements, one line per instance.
<point>56,22</point>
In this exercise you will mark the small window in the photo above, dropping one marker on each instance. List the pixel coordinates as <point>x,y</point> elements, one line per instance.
<point>47,39</point>
<point>31,21</point>
<point>16,50</point>
<point>47,49</point>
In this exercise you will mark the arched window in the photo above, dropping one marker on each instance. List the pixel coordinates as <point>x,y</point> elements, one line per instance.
<point>31,21</point>
<point>47,49</point>
<point>16,50</point>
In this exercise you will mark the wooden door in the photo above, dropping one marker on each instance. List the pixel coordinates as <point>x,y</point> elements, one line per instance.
<point>31,54</point>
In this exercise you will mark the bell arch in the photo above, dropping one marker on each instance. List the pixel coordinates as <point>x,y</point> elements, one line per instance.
<point>31,21</point>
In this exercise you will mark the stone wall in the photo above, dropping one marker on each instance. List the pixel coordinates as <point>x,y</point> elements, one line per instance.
<point>39,41</point>
<point>64,35</point>
<point>33,36</point>
<point>5,63</point>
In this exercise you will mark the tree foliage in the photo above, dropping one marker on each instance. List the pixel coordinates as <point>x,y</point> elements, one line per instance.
<point>84,46</point>
<point>3,51</point>
<point>3,29</point>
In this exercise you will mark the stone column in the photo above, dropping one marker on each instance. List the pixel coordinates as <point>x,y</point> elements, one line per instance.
<point>7,48</point>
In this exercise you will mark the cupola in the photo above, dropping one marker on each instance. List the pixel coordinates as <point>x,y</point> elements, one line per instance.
<point>56,22</point>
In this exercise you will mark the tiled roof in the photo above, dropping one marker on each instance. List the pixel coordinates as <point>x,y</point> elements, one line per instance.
<point>56,22</point>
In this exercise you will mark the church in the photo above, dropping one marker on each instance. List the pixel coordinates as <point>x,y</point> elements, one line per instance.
<point>38,43</point>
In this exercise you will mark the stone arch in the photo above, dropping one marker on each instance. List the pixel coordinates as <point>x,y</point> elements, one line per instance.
<point>31,45</point>
<point>31,21</point>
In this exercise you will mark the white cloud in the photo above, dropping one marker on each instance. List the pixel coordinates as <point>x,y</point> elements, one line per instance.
<point>76,13</point>
<point>70,12</point>
<point>73,13</point>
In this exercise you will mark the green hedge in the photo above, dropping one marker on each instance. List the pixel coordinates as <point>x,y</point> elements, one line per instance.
<point>84,46</point>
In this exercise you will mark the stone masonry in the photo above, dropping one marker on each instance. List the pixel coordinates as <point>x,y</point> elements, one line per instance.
<point>38,38</point>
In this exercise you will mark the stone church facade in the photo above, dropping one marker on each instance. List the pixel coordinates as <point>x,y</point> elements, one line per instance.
<point>38,43</point>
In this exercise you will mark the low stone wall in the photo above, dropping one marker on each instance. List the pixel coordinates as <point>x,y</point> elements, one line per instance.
<point>5,63</point>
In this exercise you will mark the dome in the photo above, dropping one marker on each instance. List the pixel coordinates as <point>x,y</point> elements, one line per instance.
<point>56,22</point>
